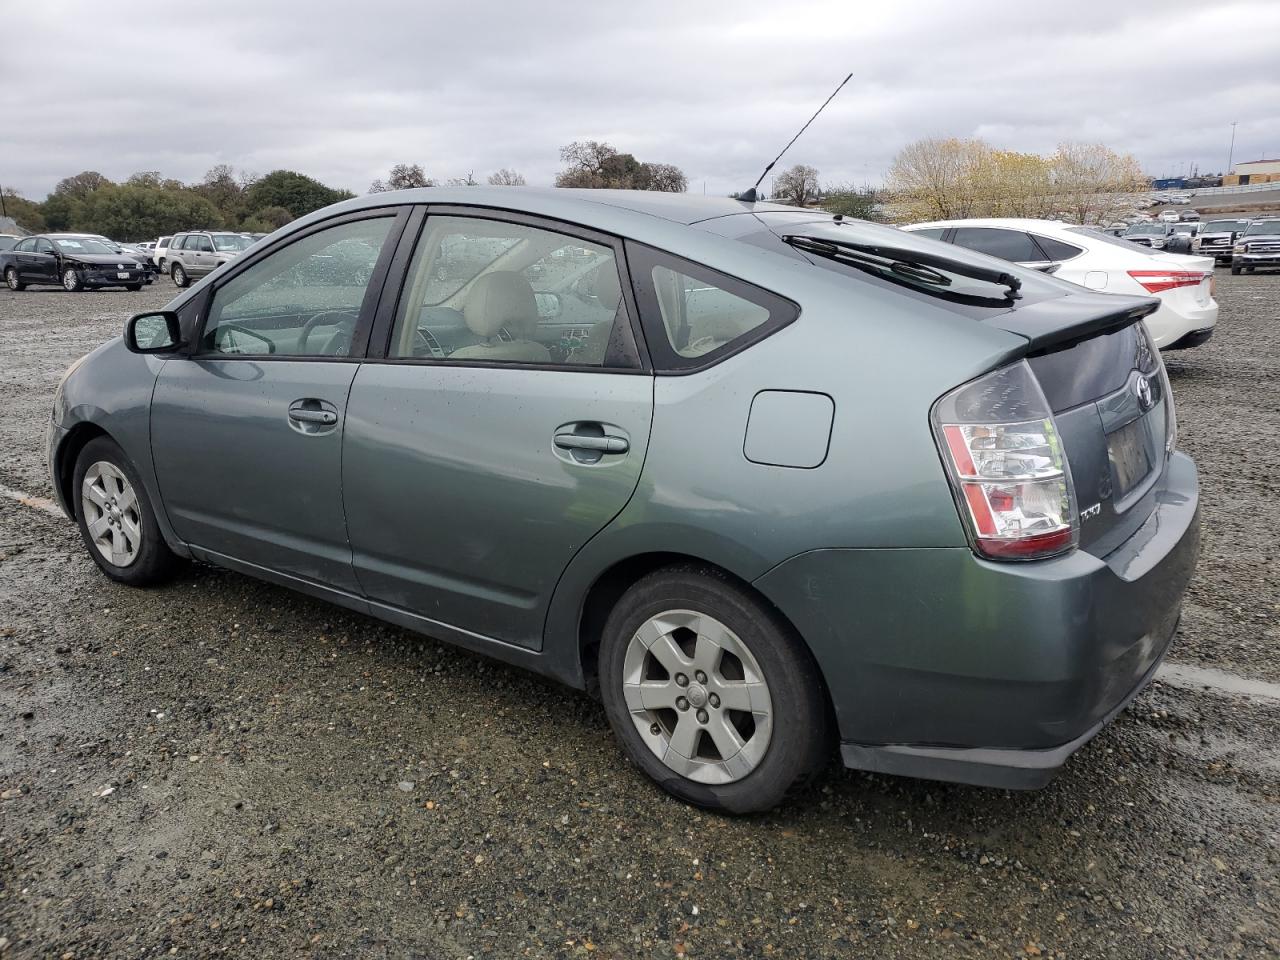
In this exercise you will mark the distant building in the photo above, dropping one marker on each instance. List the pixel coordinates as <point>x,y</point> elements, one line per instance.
<point>1254,171</point>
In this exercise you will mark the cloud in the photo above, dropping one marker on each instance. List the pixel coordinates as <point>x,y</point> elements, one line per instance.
<point>343,91</point>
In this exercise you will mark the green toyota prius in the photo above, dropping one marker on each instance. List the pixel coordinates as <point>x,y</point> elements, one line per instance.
<point>766,480</point>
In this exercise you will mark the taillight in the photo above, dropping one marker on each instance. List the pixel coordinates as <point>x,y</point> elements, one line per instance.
<point>1157,281</point>
<point>1006,464</point>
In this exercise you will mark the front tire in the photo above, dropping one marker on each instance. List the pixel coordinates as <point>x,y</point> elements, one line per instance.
<point>711,693</point>
<point>71,281</point>
<point>116,520</point>
<point>180,278</point>
<point>12,279</point>
<point>133,287</point>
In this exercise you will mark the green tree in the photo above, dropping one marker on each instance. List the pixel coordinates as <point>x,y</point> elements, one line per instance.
<point>223,189</point>
<point>295,192</point>
<point>26,213</point>
<point>266,220</point>
<point>142,213</point>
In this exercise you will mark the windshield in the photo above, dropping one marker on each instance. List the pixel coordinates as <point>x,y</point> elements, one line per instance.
<point>1114,241</point>
<point>83,245</point>
<point>1145,229</point>
<point>230,241</point>
<point>1268,227</point>
<point>1223,226</point>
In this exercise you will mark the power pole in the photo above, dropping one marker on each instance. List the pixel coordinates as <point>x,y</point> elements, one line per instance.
<point>1231,152</point>
<point>4,212</point>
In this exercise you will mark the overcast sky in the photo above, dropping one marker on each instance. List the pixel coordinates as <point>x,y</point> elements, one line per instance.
<point>341,91</point>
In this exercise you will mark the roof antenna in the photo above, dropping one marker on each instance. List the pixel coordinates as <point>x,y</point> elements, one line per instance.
<point>749,196</point>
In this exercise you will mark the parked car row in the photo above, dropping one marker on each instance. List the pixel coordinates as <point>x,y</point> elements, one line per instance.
<point>78,261</point>
<point>1182,284</point>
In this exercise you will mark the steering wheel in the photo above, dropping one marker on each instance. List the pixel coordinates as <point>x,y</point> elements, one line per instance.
<point>344,320</point>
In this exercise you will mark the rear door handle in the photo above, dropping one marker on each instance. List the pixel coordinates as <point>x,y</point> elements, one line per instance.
<point>578,441</point>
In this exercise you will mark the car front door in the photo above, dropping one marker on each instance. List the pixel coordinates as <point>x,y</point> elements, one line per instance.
<point>502,429</point>
<point>42,264</point>
<point>246,430</point>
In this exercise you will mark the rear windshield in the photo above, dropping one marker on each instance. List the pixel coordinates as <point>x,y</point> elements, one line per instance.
<point>976,298</point>
<point>231,241</point>
<point>1269,227</point>
<point>1115,241</point>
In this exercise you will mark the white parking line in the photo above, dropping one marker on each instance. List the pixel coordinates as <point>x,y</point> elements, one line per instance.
<point>1219,681</point>
<point>34,502</point>
<point>1174,674</point>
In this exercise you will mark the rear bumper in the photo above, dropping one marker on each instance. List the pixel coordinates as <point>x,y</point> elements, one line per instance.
<point>945,666</point>
<point>1177,317</point>
<point>1192,339</point>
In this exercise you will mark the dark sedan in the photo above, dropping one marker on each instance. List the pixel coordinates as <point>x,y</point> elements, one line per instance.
<point>72,262</point>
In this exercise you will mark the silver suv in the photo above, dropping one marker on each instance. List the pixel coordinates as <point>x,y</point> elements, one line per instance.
<point>196,254</point>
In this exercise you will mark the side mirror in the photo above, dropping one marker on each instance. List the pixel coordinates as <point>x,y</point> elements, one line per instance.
<point>157,332</point>
<point>1047,267</point>
<point>548,305</point>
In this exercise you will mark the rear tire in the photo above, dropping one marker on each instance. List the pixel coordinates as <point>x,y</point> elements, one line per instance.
<point>116,520</point>
<point>11,278</point>
<point>180,278</point>
<point>720,649</point>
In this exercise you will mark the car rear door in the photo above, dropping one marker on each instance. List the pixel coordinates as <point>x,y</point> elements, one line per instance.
<point>488,444</point>
<point>246,430</point>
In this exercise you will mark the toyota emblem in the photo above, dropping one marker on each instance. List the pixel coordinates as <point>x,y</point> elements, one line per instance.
<point>1142,390</point>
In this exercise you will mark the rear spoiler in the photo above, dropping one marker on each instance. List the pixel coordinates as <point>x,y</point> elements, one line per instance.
<point>1062,321</point>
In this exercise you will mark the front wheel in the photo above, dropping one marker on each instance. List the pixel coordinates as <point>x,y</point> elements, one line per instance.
<point>180,278</point>
<point>711,693</point>
<point>71,281</point>
<point>1235,271</point>
<point>116,519</point>
<point>12,279</point>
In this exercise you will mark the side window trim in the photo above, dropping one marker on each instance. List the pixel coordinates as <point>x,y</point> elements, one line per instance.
<point>372,293</point>
<point>666,361</point>
<point>1036,238</point>
<point>389,305</point>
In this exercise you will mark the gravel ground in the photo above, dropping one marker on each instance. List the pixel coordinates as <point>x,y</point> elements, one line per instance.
<point>222,767</point>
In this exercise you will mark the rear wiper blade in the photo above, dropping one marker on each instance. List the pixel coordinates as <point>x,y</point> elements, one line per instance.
<point>905,261</point>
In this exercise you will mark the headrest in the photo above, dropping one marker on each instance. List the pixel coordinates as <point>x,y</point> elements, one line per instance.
<point>501,299</point>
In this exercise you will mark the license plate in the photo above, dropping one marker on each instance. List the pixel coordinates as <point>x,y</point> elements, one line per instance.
<point>1127,449</point>
<point>122,276</point>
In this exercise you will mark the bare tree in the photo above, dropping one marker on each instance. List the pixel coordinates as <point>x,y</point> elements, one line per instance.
<point>506,178</point>
<point>403,176</point>
<point>468,181</point>
<point>1092,182</point>
<point>799,185</point>
<point>593,164</point>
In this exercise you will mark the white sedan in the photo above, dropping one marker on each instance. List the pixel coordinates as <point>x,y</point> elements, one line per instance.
<point>1184,285</point>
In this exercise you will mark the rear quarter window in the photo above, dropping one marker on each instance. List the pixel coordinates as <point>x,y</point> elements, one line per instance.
<point>694,316</point>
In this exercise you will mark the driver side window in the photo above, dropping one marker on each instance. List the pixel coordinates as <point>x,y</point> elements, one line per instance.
<point>302,300</point>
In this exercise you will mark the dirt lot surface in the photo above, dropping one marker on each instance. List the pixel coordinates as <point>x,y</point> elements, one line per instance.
<point>224,768</point>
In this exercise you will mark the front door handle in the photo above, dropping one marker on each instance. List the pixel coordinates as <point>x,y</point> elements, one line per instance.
<point>578,441</point>
<point>324,417</point>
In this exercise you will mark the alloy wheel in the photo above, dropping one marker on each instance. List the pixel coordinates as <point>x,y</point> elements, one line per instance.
<point>111,512</point>
<point>69,280</point>
<point>697,696</point>
<point>11,278</point>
